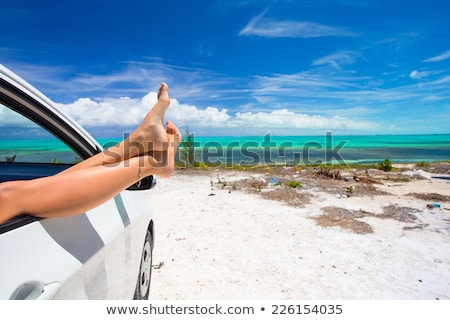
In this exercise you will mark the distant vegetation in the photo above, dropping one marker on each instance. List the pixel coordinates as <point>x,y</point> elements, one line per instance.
<point>187,151</point>
<point>386,165</point>
<point>422,164</point>
<point>294,184</point>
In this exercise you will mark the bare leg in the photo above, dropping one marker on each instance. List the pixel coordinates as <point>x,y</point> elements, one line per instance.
<point>89,187</point>
<point>149,136</point>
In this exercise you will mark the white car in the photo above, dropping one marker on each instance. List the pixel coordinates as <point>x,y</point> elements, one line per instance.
<point>104,253</point>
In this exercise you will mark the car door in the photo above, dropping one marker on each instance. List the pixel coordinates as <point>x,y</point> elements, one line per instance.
<point>84,256</point>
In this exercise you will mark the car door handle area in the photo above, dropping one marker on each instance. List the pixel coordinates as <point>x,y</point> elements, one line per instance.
<point>36,291</point>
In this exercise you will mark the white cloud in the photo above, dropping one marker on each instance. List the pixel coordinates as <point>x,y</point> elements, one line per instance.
<point>188,115</point>
<point>338,59</point>
<point>109,112</point>
<point>443,80</point>
<point>418,74</point>
<point>443,56</point>
<point>127,113</point>
<point>270,28</point>
<point>317,99</point>
<point>285,119</point>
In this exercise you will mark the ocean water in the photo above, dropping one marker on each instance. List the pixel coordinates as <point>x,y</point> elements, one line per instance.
<point>251,150</point>
<point>327,148</point>
<point>37,150</point>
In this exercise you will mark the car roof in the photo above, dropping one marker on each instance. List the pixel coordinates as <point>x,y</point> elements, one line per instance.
<point>58,122</point>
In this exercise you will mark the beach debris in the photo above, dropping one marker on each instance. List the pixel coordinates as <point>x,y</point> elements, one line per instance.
<point>417,174</point>
<point>158,266</point>
<point>441,177</point>
<point>366,179</point>
<point>274,182</point>
<point>433,205</point>
<point>211,194</point>
<point>374,171</point>
<point>258,184</point>
<point>222,182</point>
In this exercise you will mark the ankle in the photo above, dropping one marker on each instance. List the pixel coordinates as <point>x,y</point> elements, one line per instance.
<point>158,163</point>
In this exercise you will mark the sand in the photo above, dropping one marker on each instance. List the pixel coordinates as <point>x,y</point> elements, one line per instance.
<point>224,234</point>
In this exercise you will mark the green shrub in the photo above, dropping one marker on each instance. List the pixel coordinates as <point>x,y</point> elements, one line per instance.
<point>386,165</point>
<point>187,151</point>
<point>294,184</point>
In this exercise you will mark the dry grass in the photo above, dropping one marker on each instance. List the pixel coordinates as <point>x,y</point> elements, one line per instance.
<point>348,219</point>
<point>273,183</point>
<point>430,197</point>
<point>290,196</point>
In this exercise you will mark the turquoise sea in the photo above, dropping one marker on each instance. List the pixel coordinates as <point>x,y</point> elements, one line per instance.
<point>323,149</point>
<point>250,150</point>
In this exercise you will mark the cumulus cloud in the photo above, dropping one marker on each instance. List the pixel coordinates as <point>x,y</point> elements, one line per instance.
<point>284,118</point>
<point>191,115</point>
<point>271,28</point>
<point>108,112</point>
<point>127,113</point>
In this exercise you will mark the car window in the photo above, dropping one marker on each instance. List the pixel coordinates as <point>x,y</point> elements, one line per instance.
<point>23,141</point>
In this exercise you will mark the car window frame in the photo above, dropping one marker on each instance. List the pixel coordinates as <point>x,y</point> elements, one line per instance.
<point>12,96</point>
<point>19,96</point>
<point>22,103</point>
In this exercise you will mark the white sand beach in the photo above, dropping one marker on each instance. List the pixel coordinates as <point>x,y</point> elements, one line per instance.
<point>219,237</point>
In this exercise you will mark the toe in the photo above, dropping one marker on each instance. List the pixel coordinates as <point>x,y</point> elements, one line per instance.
<point>163,88</point>
<point>171,128</point>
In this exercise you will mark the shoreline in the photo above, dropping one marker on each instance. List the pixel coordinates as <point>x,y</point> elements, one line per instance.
<point>235,234</point>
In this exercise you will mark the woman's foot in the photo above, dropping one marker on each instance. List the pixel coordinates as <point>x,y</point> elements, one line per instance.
<point>151,134</point>
<point>165,160</point>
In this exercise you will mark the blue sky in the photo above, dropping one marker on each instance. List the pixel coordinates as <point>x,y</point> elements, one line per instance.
<point>238,67</point>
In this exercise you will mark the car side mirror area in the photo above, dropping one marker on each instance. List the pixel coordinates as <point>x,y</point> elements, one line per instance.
<point>143,184</point>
